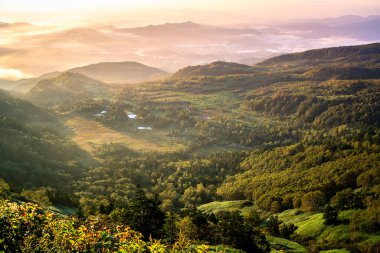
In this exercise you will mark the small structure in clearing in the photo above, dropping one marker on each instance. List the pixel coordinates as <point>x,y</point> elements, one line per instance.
<point>131,116</point>
<point>144,128</point>
<point>102,113</point>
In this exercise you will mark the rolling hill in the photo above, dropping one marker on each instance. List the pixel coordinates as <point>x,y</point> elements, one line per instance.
<point>120,72</point>
<point>24,85</point>
<point>66,88</point>
<point>218,68</point>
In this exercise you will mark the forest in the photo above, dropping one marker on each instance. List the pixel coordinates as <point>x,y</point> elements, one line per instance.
<point>221,157</point>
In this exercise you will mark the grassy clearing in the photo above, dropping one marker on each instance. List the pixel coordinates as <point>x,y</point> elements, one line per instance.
<point>218,206</point>
<point>308,224</point>
<point>62,210</point>
<point>277,243</point>
<point>335,251</point>
<point>89,134</point>
<point>338,233</point>
<point>312,227</point>
<point>346,214</point>
<point>293,216</point>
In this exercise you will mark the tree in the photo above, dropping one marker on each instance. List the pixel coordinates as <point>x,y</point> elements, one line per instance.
<point>346,199</point>
<point>312,201</point>
<point>145,214</point>
<point>369,178</point>
<point>287,229</point>
<point>169,229</point>
<point>273,225</point>
<point>330,214</point>
<point>232,230</point>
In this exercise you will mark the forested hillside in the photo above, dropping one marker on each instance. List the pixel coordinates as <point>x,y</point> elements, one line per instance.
<point>288,155</point>
<point>37,160</point>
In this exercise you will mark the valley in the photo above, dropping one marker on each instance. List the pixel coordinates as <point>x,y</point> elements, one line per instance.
<point>286,150</point>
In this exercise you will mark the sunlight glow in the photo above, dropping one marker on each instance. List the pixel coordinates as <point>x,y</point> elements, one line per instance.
<point>11,74</point>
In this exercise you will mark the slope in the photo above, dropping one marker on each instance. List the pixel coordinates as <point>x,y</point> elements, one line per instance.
<point>36,159</point>
<point>24,85</point>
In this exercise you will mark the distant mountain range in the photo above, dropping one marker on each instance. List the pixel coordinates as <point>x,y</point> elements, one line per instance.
<point>339,21</point>
<point>186,29</point>
<point>172,46</point>
<point>350,26</point>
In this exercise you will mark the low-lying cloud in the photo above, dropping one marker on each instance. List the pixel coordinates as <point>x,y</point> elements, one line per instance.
<point>25,48</point>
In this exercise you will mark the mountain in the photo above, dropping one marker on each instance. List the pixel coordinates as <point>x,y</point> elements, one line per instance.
<point>186,29</point>
<point>340,21</point>
<point>366,29</point>
<point>367,55</point>
<point>24,85</point>
<point>218,68</point>
<point>66,88</point>
<point>120,72</point>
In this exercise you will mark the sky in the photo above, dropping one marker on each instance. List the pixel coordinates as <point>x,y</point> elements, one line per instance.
<point>48,32</point>
<point>109,11</point>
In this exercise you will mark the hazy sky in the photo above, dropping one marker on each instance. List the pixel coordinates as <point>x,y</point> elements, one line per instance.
<point>51,31</point>
<point>45,11</point>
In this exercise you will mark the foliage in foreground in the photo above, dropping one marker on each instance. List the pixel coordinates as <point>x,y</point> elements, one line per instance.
<point>28,228</point>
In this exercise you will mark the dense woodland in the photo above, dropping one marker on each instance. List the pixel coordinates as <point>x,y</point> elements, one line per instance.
<point>303,140</point>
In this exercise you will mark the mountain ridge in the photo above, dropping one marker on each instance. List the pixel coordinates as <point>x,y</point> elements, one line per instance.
<point>217,68</point>
<point>120,72</point>
<point>367,53</point>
